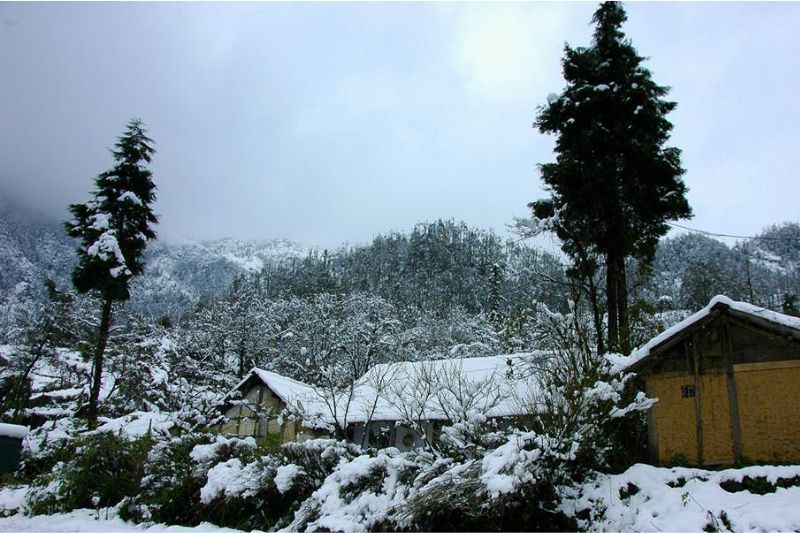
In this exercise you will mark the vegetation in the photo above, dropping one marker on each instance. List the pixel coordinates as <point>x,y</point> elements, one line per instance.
<point>615,183</point>
<point>114,227</point>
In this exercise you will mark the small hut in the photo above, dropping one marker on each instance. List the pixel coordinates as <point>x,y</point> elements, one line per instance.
<point>272,408</point>
<point>727,381</point>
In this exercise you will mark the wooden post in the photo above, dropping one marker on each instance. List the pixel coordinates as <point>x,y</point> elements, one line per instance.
<point>698,403</point>
<point>733,398</point>
<point>257,414</point>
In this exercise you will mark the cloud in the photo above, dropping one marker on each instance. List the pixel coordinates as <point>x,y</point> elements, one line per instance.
<point>505,51</point>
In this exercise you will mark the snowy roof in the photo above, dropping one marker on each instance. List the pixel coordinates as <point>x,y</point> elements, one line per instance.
<point>13,430</point>
<point>421,390</point>
<point>290,391</point>
<point>717,302</point>
<point>492,386</point>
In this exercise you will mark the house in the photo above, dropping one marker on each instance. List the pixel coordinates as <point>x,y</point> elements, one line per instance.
<point>405,404</point>
<point>272,407</point>
<point>727,380</point>
<point>402,404</point>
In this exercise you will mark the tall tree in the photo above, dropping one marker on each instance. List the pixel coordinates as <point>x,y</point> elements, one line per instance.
<point>615,183</point>
<point>114,227</point>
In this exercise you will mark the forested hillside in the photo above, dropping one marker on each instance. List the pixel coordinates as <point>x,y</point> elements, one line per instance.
<point>438,269</point>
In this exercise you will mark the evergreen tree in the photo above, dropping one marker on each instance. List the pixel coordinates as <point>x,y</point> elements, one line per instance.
<point>114,227</point>
<point>615,183</point>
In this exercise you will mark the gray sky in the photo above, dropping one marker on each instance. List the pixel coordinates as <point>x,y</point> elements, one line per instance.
<point>327,123</point>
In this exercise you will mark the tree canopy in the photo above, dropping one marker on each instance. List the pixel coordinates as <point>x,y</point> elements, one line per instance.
<point>615,182</point>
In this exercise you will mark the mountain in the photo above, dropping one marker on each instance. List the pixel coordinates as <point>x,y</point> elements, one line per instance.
<point>178,276</point>
<point>436,267</point>
<point>34,247</point>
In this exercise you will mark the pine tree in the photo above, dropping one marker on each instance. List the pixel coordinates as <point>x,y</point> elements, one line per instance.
<point>615,183</point>
<point>114,227</point>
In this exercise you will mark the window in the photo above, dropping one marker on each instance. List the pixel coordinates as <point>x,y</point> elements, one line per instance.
<point>687,391</point>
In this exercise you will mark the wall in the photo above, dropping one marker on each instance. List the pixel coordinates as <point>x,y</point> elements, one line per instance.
<point>768,396</point>
<point>246,423</point>
<point>674,416</point>
<point>769,410</point>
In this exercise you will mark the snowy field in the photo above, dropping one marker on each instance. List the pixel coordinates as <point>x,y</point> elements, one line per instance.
<point>644,498</point>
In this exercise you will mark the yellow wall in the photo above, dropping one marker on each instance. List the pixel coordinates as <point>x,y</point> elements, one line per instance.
<point>769,402</point>
<point>769,410</point>
<point>243,420</point>
<point>715,405</point>
<point>674,417</point>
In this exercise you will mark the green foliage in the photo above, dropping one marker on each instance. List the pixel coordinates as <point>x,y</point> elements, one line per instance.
<point>114,226</point>
<point>95,471</point>
<point>790,305</point>
<point>759,484</point>
<point>171,485</point>
<point>679,459</point>
<point>615,183</point>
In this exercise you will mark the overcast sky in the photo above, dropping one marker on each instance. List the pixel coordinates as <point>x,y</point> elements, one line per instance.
<point>327,123</point>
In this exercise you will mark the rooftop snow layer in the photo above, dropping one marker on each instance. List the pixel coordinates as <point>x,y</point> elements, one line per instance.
<point>432,390</point>
<point>621,362</point>
<point>13,431</point>
<point>290,391</point>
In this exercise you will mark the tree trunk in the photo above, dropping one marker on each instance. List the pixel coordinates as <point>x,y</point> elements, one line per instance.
<point>622,308</point>
<point>97,371</point>
<point>597,316</point>
<point>612,301</point>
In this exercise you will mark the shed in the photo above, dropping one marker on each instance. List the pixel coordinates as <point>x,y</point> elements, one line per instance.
<point>273,407</point>
<point>11,437</point>
<point>727,380</point>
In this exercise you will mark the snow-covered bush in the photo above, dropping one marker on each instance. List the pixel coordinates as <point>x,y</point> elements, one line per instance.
<point>97,470</point>
<point>265,492</point>
<point>176,470</point>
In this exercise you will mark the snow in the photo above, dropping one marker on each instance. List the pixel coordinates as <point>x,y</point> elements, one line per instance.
<point>284,477</point>
<point>100,221</point>
<point>505,467</point>
<point>298,396</point>
<point>688,499</point>
<point>499,384</point>
<point>129,196</point>
<point>621,362</point>
<point>138,424</point>
<point>12,499</point>
<point>13,431</point>
<point>502,378</point>
<point>94,521</point>
<point>205,453</point>
<point>221,479</point>
<point>105,247</point>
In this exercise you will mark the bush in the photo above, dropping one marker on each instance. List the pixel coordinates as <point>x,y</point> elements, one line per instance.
<point>175,472</point>
<point>101,471</point>
<point>265,493</point>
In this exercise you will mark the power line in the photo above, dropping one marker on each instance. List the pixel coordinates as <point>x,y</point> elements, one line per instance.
<point>712,234</point>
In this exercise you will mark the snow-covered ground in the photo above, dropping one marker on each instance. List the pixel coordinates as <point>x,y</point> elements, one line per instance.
<point>88,521</point>
<point>644,498</point>
<point>83,520</point>
<point>647,498</point>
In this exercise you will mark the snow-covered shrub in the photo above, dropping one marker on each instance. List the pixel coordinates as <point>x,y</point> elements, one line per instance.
<point>175,472</point>
<point>363,494</point>
<point>97,470</point>
<point>265,492</point>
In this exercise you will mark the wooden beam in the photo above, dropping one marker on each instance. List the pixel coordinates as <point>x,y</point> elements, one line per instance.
<point>733,397</point>
<point>760,325</point>
<point>698,404</point>
<point>257,413</point>
<point>652,428</point>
